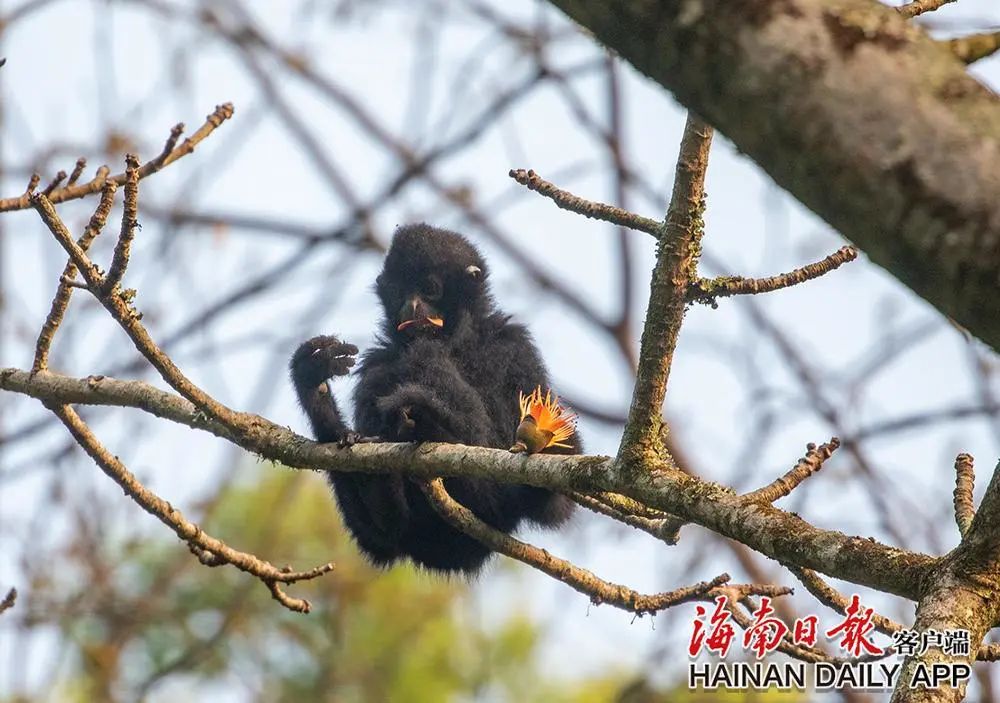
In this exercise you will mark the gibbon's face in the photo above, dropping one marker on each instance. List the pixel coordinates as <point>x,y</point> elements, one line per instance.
<point>430,280</point>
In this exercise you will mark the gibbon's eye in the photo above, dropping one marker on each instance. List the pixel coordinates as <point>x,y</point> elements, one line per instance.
<point>432,288</point>
<point>474,272</point>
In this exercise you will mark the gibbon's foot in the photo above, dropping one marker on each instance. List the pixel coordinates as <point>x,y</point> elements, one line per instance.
<point>349,439</point>
<point>321,358</point>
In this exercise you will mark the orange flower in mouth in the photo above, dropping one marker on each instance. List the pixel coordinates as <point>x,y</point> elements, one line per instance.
<point>420,322</point>
<point>544,423</point>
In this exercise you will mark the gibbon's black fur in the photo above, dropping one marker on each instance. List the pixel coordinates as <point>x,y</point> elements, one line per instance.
<point>447,367</point>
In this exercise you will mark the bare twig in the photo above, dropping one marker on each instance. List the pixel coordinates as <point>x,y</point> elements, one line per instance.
<point>129,223</point>
<point>587,208</point>
<point>918,420</point>
<point>786,646</point>
<point>806,467</point>
<point>59,178</point>
<point>81,164</point>
<point>625,504</point>
<point>919,7</point>
<point>708,290</point>
<point>67,280</point>
<point>581,580</point>
<point>830,597</point>
<point>965,483</point>
<point>119,306</point>
<point>665,529</point>
<point>175,520</point>
<point>8,601</point>
<point>72,192</point>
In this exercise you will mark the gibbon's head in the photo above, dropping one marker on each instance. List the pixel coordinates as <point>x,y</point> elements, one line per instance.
<point>431,281</point>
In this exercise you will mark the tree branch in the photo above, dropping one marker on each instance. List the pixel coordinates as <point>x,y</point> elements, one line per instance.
<point>95,185</point>
<point>588,208</point>
<point>919,7</point>
<point>67,281</point>
<point>708,290</point>
<point>808,465</point>
<point>775,533</point>
<point>676,267</point>
<point>961,591</point>
<point>975,46</point>
<point>854,110</point>
<point>578,579</point>
<point>8,601</point>
<point>171,517</point>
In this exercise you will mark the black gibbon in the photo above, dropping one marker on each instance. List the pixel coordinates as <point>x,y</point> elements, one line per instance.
<point>448,367</point>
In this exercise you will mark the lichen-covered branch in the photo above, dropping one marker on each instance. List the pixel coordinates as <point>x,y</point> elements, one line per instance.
<point>960,592</point>
<point>856,111</point>
<point>676,267</point>
<point>965,484</point>
<point>664,529</point>
<point>708,290</point>
<point>808,465</point>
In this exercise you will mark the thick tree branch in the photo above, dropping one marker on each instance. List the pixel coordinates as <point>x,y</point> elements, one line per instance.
<point>775,533</point>
<point>858,113</point>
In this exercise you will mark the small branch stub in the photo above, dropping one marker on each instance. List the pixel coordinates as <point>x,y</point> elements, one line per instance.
<point>808,465</point>
<point>965,483</point>
<point>975,46</point>
<point>919,7</point>
<point>8,602</point>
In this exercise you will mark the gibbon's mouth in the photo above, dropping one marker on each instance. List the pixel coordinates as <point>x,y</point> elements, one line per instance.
<point>420,322</point>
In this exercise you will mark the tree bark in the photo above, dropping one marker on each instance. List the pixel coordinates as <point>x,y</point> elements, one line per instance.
<point>857,113</point>
<point>960,592</point>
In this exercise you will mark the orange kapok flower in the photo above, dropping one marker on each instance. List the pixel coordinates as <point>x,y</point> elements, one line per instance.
<point>544,423</point>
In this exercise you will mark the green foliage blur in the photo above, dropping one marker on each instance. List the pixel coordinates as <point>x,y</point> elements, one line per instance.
<point>163,627</point>
<point>145,621</point>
